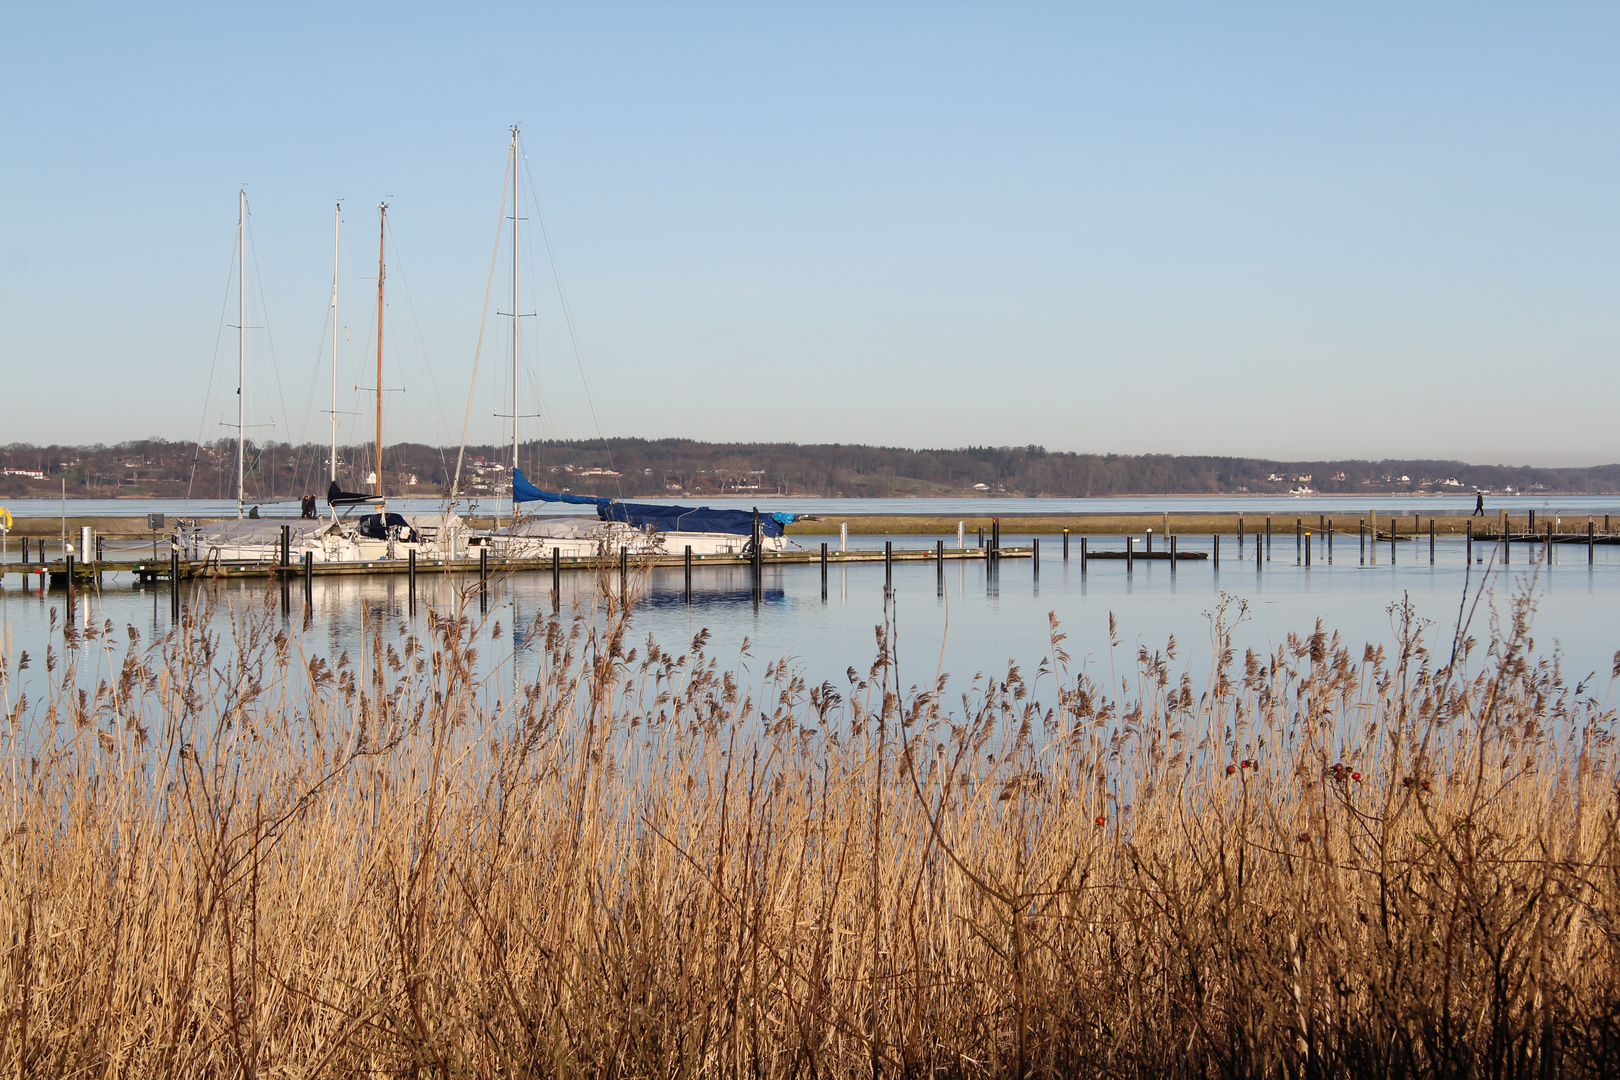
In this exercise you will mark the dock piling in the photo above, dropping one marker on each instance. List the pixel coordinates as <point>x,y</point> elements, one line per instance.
<point>888,564</point>
<point>1240,538</point>
<point>1215,549</point>
<point>1082,556</point>
<point>1589,538</point>
<point>1065,544</point>
<point>1268,539</point>
<point>556,577</point>
<point>410,578</point>
<point>309,578</point>
<point>1431,541</point>
<point>1307,539</point>
<point>174,584</point>
<point>1172,555</point>
<point>1130,554</point>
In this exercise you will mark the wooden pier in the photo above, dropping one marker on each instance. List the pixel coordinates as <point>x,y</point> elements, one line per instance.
<point>150,570</point>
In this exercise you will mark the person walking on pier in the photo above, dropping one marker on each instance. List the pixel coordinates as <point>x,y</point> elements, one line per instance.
<point>1479,504</point>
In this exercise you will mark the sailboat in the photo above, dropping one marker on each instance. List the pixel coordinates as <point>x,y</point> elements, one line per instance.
<point>636,528</point>
<point>382,534</point>
<point>376,536</point>
<point>249,539</point>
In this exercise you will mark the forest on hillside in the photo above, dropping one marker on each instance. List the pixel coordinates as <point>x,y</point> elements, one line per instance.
<point>637,468</point>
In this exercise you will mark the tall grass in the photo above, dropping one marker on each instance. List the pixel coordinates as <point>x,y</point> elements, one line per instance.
<point>230,858</point>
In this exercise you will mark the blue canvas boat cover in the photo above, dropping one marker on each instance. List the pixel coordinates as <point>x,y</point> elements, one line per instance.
<point>659,516</point>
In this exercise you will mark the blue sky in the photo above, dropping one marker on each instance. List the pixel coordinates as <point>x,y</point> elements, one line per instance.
<point>1295,231</point>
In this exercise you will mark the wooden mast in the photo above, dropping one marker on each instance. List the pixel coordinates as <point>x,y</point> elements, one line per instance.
<point>382,232</point>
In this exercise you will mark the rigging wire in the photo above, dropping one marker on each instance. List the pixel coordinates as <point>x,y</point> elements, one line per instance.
<point>483,322</point>
<point>208,392</point>
<point>270,340</point>
<point>568,318</point>
<point>435,413</point>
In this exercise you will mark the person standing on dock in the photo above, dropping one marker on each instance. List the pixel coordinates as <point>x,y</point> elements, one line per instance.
<point>1479,504</point>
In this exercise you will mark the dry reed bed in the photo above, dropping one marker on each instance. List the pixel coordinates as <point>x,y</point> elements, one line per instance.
<point>233,859</point>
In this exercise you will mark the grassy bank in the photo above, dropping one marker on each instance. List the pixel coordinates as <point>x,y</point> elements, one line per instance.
<point>231,858</point>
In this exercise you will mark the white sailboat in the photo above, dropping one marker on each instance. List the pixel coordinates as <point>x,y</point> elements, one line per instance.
<point>636,528</point>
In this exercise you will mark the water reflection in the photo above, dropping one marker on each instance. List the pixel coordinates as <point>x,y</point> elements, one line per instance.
<point>957,617</point>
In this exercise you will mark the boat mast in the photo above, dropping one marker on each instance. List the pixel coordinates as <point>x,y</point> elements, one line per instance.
<point>513,169</point>
<point>382,232</point>
<point>337,224</point>
<point>241,344</point>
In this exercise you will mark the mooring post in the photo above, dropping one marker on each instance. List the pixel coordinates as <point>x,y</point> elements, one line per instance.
<point>286,549</point>
<point>1431,541</point>
<point>888,564</point>
<point>556,576</point>
<point>1147,547</point>
<point>410,576</point>
<point>1548,556</point>
<point>995,537</point>
<point>67,558</point>
<point>1330,541</point>
<point>1299,539</point>
<point>1035,553</point>
<point>483,565</point>
<point>1065,545</point>
<point>939,567</point>
<point>981,537</point>
<point>1268,538</point>
<point>1082,556</point>
<point>174,584</point>
<point>1532,529</point>
<point>624,571</point>
<point>961,534</point>
<point>1240,538</point>
<point>1215,549</point>
<point>309,578</point>
<point>1172,555</point>
<point>1393,536</point>
<point>1258,559</point>
<point>1469,556</point>
<point>1507,539</point>
<point>41,552</point>
<point>1589,527</point>
<point>687,569</point>
<point>1307,549</point>
<point>1130,553</point>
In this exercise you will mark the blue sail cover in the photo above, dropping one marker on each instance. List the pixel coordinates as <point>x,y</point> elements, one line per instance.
<point>658,516</point>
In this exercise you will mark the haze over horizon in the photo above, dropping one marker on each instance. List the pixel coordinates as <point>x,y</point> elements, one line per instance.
<point>1296,233</point>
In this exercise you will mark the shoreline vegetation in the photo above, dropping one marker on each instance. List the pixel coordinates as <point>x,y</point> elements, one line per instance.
<point>1187,524</point>
<point>689,469</point>
<point>228,856</point>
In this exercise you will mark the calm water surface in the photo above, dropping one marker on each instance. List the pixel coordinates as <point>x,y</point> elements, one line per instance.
<point>971,620</point>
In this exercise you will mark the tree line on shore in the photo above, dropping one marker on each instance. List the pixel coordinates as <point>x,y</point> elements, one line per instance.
<point>638,468</point>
